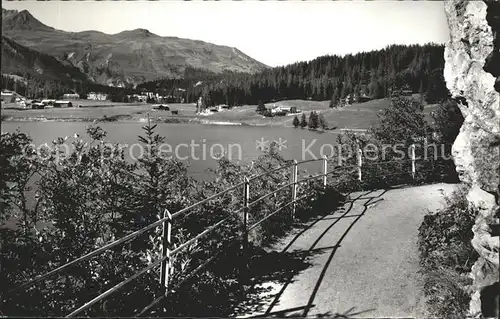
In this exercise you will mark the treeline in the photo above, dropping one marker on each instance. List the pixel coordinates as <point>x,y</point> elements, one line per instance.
<point>374,74</point>
<point>37,88</point>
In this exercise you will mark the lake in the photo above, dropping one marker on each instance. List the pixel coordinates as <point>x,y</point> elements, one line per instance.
<point>196,144</point>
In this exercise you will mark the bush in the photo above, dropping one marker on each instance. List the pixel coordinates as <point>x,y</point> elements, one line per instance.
<point>446,256</point>
<point>388,160</point>
<point>85,200</point>
<point>261,108</point>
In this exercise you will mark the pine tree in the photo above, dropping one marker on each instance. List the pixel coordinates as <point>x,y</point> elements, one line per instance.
<point>313,121</point>
<point>303,121</point>
<point>335,98</point>
<point>296,122</point>
<point>261,108</point>
<point>322,122</point>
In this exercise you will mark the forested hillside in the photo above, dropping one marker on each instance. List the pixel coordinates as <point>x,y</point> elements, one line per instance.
<point>36,87</point>
<point>375,74</point>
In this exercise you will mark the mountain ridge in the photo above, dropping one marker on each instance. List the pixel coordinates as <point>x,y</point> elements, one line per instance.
<point>125,58</point>
<point>20,60</point>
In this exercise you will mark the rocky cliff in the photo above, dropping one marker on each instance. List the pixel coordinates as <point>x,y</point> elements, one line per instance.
<point>472,72</point>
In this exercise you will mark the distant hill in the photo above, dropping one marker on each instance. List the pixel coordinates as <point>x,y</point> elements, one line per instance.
<point>128,57</point>
<point>20,60</point>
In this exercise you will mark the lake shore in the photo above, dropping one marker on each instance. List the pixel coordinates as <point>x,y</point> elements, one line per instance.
<point>192,121</point>
<point>132,119</point>
<point>355,116</point>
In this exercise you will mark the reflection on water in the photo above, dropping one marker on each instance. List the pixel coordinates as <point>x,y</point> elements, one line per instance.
<point>198,145</point>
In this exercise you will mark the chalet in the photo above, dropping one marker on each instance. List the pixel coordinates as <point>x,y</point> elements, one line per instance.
<point>71,96</point>
<point>407,92</point>
<point>37,105</point>
<point>348,100</point>
<point>161,107</point>
<point>148,95</point>
<point>286,109</point>
<point>363,98</point>
<point>8,97</point>
<point>48,102</point>
<point>63,104</point>
<point>97,96</point>
<point>217,108</point>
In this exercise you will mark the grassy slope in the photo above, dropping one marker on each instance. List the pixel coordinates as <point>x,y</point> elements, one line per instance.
<point>361,115</point>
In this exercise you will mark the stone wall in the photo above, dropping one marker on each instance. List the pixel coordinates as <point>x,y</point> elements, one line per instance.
<point>472,72</point>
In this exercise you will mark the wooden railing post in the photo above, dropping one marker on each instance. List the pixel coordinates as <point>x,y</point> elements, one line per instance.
<point>246,208</point>
<point>413,169</point>
<point>325,170</point>
<point>360,163</point>
<point>294,187</point>
<point>166,245</point>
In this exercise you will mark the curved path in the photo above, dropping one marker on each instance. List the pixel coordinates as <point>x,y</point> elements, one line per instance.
<point>365,261</point>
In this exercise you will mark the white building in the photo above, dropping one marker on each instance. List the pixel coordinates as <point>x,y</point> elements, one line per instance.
<point>71,96</point>
<point>97,96</point>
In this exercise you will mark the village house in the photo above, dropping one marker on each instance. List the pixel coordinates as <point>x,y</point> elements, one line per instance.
<point>63,104</point>
<point>282,110</point>
<point>148,95</point>
<point>48,102</point>
<point>8,97</point>
<point>71,96</point>
<point>97,96</point>
<point>37,105</point>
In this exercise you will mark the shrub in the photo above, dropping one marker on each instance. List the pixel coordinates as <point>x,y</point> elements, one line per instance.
<point>446,256</point>
<point>85,200</point>
<point>389,161</point>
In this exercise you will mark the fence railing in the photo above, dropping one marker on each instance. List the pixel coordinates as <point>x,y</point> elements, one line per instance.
<point>167,253</point>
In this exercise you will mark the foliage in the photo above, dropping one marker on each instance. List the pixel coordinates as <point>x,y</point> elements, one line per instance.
<point>447,121</point>
<point>91,194</point>
<point>446,256</point>
<point>334,101</point>
<point>296,122</point>
<point>322,121</point>
<point>303,122</point>
<point>436,87</point>
<point>313,122</point>
<point>261,107</point>
<point>386,148</point>
<point>402,122</point>
<point>82,200</point>
<point>17,170</point>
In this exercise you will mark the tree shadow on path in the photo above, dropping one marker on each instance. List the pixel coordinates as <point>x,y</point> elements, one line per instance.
<point>303,311</point>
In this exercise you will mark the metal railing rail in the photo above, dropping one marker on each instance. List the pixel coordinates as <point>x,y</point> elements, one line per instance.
<point>122,240</point>
<point>166,222</point>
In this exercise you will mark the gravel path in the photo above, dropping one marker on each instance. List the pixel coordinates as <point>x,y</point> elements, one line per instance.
<point>365,259</point>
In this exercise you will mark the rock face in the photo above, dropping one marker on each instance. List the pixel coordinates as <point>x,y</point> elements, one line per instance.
<point>472,72</point>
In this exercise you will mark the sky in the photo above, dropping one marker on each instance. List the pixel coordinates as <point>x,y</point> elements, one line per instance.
<point>275,33</point>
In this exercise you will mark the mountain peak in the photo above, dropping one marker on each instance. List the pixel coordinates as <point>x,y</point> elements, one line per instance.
<point>141,33</point>
<point>7,11</point>
<point>23,20</point>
